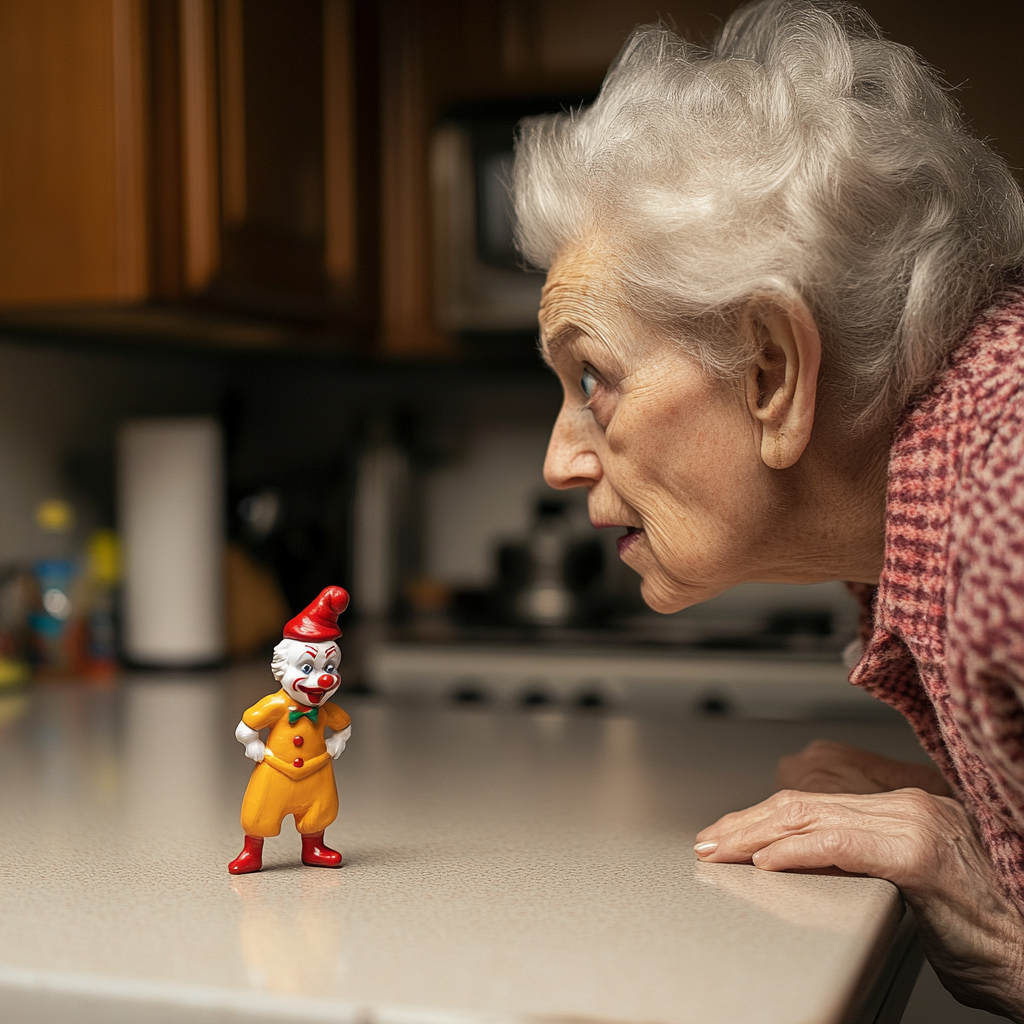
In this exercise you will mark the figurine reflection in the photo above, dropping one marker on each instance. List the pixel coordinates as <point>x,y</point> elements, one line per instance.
<point>293,773</point>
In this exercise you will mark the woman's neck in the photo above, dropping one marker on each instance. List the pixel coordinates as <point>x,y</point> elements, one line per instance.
<point>836,525</point>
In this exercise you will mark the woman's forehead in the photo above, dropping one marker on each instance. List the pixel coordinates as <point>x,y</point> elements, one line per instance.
<point>581,297</point>
<point>581,272</point>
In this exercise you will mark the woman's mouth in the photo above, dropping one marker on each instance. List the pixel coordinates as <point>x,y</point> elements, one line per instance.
<point>628,539</point>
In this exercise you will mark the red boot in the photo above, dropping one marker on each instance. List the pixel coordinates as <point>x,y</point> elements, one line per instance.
<point>251,857</point>
<point>317,854</point>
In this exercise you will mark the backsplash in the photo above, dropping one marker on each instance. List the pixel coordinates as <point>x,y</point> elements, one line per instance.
<point>474,439</point>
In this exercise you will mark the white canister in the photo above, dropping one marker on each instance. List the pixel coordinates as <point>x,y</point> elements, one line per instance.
<point>170,483</point>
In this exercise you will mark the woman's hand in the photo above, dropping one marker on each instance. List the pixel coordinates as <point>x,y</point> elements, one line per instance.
<point>827,767</point>
<point>925,844</point>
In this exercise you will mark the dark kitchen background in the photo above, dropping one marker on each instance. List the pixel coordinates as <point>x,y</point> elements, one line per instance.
<point>289,217</point>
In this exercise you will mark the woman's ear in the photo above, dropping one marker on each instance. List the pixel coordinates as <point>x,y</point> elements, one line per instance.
<point>782,378</point>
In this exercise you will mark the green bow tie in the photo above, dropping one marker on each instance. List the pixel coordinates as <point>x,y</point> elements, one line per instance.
<point>310,713</point>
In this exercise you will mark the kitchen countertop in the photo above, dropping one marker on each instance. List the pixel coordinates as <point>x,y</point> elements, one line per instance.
<point>500,864</point>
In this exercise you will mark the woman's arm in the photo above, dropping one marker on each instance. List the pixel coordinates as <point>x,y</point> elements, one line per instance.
<point>972,932</point>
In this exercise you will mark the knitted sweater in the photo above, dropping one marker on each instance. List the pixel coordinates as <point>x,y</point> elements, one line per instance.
<point>944,630</point>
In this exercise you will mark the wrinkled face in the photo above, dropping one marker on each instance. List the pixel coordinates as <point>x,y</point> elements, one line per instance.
<point>308,671</point>
<point>663,449</point>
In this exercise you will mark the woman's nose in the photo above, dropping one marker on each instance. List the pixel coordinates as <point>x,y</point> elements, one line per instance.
<point>570,461</point>
<point>325,681</point>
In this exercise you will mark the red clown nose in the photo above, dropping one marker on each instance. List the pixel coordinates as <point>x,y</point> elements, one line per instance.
<point>319,621</point>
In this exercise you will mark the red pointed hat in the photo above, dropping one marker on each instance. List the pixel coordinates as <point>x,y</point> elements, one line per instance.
<point>319,621</point>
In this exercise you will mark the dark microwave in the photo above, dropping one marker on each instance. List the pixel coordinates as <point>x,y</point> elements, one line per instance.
<point>480,284</point>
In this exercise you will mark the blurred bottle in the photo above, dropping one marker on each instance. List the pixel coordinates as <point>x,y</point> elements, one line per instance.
<point>102,576</point>
<point>55,622</point>
<point>16,588</point>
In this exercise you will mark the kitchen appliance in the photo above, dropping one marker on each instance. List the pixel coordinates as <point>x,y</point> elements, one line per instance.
<point>757,651</point>
<point>548,581</point>
<point>621,676</point>
<point>481,286</point>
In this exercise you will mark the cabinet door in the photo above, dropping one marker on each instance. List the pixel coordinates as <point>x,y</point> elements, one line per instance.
<point>72,183</point>
<point>288,233</point>
<point>178,150</point>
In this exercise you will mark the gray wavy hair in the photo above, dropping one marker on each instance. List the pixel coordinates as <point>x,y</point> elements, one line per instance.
<point>801,151</point>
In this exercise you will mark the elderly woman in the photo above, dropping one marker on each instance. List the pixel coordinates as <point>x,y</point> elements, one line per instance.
<point>784,300</point>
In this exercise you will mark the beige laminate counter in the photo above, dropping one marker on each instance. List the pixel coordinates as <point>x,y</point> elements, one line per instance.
<point>499,866</point>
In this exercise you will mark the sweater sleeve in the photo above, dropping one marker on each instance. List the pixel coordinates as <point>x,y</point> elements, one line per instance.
<point>985,601</point>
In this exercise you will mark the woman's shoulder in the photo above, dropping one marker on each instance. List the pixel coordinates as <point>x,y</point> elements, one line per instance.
<point>987,392</point>
<point>986,530</point>
<point>984,655</point>
<point>987,367</point>
<point>956,471</point>
<point>981,384</point>
<point>993,349</point>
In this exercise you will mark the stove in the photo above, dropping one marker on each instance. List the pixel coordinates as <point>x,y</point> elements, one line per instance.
<point>629,677</point>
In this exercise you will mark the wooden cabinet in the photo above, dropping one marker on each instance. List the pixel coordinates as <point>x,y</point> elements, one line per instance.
<point>257,171</point>
<point>194,152</point>
<point>73,204</point>
<point>289,230</point>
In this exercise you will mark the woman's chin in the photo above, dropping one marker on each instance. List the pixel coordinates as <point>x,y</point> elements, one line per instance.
<point>660,599</point>
<point>667,596</point>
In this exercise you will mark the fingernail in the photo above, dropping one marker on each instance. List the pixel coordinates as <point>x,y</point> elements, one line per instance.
<point>704,849</point>
<point>760,858</point>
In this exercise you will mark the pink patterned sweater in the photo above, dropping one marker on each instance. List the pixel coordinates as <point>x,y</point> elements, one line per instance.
<point>944,630</point>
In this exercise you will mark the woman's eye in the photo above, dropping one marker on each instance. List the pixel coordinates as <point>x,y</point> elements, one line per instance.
<point>587,383</point>
<point>307,669</point>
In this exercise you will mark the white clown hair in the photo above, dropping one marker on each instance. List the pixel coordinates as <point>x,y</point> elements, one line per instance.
<point>282,653</point>
<point>802,151</point>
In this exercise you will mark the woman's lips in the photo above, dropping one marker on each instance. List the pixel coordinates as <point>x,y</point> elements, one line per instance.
<point>628,539</point>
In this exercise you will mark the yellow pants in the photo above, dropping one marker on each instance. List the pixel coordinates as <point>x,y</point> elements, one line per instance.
<point>271,795</point>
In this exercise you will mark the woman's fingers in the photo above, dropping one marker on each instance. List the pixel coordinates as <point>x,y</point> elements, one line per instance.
<point>738,821</point>
<point>825,766</point>
<point>848,848</point>
<point>734,820</point>
<point>887,835</point>
<point>795,772</point>
<point>738,836</point>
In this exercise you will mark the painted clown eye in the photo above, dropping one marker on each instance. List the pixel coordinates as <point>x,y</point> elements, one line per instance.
<point>588,382</point>
<point>307,669</point>
<point>329,667</point>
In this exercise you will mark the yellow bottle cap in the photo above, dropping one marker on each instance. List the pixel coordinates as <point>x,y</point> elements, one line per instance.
<point>55,516</point>
<point>104,552</point>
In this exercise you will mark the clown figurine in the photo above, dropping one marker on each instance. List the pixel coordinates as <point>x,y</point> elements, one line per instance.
<point>293,773</point>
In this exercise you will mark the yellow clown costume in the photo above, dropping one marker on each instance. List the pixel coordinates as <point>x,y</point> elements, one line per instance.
<point>296,775</point>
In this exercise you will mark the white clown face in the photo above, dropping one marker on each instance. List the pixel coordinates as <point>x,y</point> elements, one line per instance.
<point>308,672</point>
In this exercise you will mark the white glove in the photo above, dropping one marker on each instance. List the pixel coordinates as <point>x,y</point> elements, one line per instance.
<point>336,741</point>
<point>254,746</point>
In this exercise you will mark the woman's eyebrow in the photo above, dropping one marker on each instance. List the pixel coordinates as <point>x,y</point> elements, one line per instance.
<point>552,345</point>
